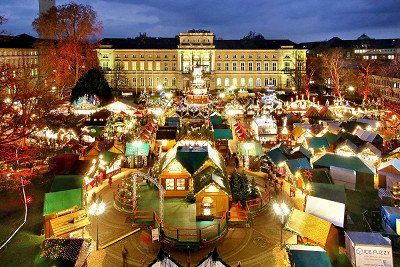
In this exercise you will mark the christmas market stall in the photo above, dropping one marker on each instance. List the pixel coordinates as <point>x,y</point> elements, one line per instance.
<point>250,150</point>
<point>328,202</point>
<point>265,129</point>
<point>211,190</point>
<point>64,199</point>
<point>368,249</point>
<point>212,260</point>
<point>389,175</point>
<point>221,139</point>
<point>137,153</point>
<point>166,137</point>
<point>310,229</point>
<point>350,171</point>
<point>121,106</point>
<point>306,256</point>
<point>164,259</point>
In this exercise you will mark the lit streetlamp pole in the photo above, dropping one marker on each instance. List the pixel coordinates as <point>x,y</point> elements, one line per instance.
<point>96,209</point>
<point>281,210</point>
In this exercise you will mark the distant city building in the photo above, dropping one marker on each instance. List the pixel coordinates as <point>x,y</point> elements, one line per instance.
<point>363,47</point>
<point>388,88</point>
<point>253,63</point>
<point>19,52</point>
<point>46,5</point>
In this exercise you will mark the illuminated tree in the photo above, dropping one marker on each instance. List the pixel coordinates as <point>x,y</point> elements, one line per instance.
<point>70,32</point>
<point>25,103</point>
<point>335,69</point>
<point>313,77</point>
<point>119,78</point>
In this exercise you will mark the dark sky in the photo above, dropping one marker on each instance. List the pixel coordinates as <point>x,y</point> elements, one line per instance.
<point>298,20</point>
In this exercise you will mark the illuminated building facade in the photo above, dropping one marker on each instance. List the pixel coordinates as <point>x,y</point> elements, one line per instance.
<point>146,63</point>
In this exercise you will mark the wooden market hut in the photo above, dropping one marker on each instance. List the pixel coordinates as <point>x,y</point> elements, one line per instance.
<point>211,190</point>
<point>313,230</point>
<point>212,260</point>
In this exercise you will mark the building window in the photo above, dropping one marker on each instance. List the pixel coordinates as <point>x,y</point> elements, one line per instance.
<point>158,65</point>
<point>274,81</point>
<point>165,83</point>
<point>169,184</point>
<point>250,82</point>
<point>105,64</point>
<point>266,66</point>
<point>126,65</point>
<point>234,67</point>
<point>299,65</point>
<point>219,82</point>
<point>242,82</point>
<point>274,66</point>
<point>133,65</point>
<point>287,82</point>
<point>218,65</point>
<point>258,66</point>
<point>366,57</point>
<point>250,66</point>
<point>206,209</point>
<point>141,65</point>
<point>173,82</point>
<point>374,57</point>
<point>226,82</point>
<point>266,82</point>
<point>390,56</point>
<point>242,66</point>
<point>234,81</point>
<point>150,65</point>
<point>142,83</point>
<point>134,82</point>
<point>226,65</point>
<point>180,184</point>
<point>173,66</point>
<point>165,66</point>
<point>287,65</point>
<point>150,82</point>
<point>258,82</point>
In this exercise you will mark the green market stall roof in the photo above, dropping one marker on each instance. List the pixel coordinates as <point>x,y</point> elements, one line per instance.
<point>223,134</point>
<point>66,182</point>
<point>332,192</point>
<point>254,150</point>
<point>331,137</point>
<point>350,163</point>
<point>209,175</point>
<point>62,200</point>
<point>133,149</point>
<point>278,154</point>
<point>298,164</point>
<point>192,158</point>
<point>216,119</point>
<point>318,142</point>
<point>317,176</point>
<point>305,256</point>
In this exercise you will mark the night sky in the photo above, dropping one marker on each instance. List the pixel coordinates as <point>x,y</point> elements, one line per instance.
<point>298,20</point>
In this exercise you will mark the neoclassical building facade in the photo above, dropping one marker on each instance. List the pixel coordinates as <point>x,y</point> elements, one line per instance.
<point>148,63</point>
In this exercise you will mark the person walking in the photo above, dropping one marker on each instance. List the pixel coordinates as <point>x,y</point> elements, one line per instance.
<point>125,253</point>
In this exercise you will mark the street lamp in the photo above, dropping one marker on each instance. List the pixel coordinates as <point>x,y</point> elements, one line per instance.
<point>281,210</point>
<point>96,209</point>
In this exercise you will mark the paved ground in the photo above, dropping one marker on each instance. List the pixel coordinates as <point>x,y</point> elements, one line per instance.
<point>258,245</point>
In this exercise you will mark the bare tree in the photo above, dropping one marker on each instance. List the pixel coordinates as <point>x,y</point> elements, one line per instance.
<point>119,78</point>
<point>335,69</point>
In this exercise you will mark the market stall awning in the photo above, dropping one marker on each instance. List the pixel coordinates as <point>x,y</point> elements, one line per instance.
<point>62,200</point>
<point>216,120</point>
<point>250,148</point>
<point>318,143</point>
<point>137,149</point>
<point>223,134</point>
<point>66,182</point>
<point>305,256</point>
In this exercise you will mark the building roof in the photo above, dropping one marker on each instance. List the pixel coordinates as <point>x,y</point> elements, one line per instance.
<point>66,182</point>
<point>367,238</point>
<point>365,135</point>
<point>305,256</point>
<point>297,164</point>
<point>331,137</point>
<point>278,154</point>
<point>330,192</point>
<point>223,134</point>
<point>191,158</point>
<point>299,150</point>
<point>350,163</point>
<point>166,133</point>
<point>64,252</point>
<point>163,259</point>
<point>173,43</point>
<point>62,200</point>
<point>318,176</point>
<point>209,175</point>
<point>351,44</point>
<point>18,41</point>
<point>308,226</point>
<point>212,260</point>
<point>318,142</point>
<point>216,119</point>
<point>392,166</point>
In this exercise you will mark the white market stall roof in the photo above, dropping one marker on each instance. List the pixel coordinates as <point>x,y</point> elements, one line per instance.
<point>392,166</point>
<point>121,106</point>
